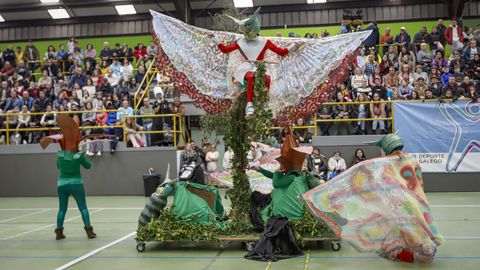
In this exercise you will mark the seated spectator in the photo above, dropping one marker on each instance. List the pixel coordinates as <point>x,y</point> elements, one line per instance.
<point>405,89</point>
<point>51,68</point>
<point>23,120</point>
<point>336,165</point>
<point>49,118</point>
<point>445,76</point>
<point>364,89</point>
<point>377,110</point>
<point>127,52</point>
<point>34,136</point>
<point>19,55</point>
<point>471,93</point>
<point>371,65</point>
<point>9,55</point>
<point>473,67</point>
<point>404,55</point>
<point>22,69</point>
<point>357,79</point>
<point>458,75</point>
<point>342,111</point>
<point>374,76</point>
<point>362,110</point>
<point>378,88</point>
<point>131,127</point>
<point>89,87</point>
<point>140,75</point>
<point>50,54</point>
<point>424,56</point>
<point>358,157</point>
<point>112,78</point>
<point>104,68</point>
<point>116,68</point>
<point>303,134</point>
<point>452,86</point>
<point>147,109</point>
<point>140,54</point>
<point>396,95</point>
<point>325,113</point>
<point>126,70</point>
<point>187,154</point>
<point>7,69</point>
<point>42,101</point>
<point>421,87</point>
<point>98,101</point>
<point>12,102</point>
<point>31,56</point>
<point>392,56</point>
<point>457,61</point>
<point>392,79</point>
<point>429,95</point>
<point>414,96</point>
<point>386,39</point>
<point>106,54</point>
<point>360,60</point>
<point>27,100</point>
<point>434,72</point>
<point>90,54</point>
<point>385,65</point>
<point>125,110</point>
<point>406,74</point>
<point>439,62</point>
<point>436,87</point>
<point>79,78</point>
<point>118,52</point>
<point>470,51</point>
<point>122,90</point>
<point>419,73</point>
<point>317,164</point>
<point>106,89</point>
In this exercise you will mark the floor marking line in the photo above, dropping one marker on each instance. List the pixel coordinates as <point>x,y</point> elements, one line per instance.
<point>93,252</point>
<point>47,226</point>
<point>268,265</point>
<point>70,208</point>
<point>22,216</point>
<point>213,260</point>
<point>453,205</point>
<point>307,259</point>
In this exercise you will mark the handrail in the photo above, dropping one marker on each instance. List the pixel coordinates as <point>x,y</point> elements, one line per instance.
<point>8,130</point>
<point>136,100</point>
<point>174,128</point>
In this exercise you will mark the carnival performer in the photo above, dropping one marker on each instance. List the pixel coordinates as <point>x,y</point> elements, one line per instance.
<point>289,182</point>
<point>253,50</point>
<point>384,209</point>
<point>70,181</point>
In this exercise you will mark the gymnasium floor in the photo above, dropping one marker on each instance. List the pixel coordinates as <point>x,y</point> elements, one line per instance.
<point>27,240</point>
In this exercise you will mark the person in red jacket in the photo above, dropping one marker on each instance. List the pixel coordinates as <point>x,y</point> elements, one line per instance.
<point>454,35</point>
<point>140,54</point>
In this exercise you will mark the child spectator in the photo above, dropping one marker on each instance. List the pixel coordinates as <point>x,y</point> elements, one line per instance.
<point>377,110</point>
<point>445,76</point>
<point>336,165</point>
<point>405,89</point>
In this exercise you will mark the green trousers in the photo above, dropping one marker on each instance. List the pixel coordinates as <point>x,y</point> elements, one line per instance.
<point>78,193</point>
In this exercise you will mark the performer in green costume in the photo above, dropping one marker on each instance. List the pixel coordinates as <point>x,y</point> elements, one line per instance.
<point>289,182</point>
<point>70,181</point>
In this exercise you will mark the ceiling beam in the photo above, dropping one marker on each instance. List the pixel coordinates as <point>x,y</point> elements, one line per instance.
<point>183,10</point>
<point>72,5</point>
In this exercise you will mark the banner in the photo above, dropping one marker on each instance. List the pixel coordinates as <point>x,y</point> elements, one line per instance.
<point>443,136</point>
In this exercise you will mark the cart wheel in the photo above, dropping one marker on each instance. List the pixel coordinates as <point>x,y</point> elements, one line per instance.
<point>248,246</point>
<point>140,247</point>
<point>336,246</point>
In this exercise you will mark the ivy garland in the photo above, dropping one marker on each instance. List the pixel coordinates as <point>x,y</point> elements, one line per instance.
<point>239,133</point>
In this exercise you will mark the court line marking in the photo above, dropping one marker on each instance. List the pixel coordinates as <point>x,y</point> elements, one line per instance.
<point>268,265</point>
<point>307,259</point>
<point>47,226</point>
<point>71,208</point>
<point>93,252</point>
<point>21,216</point>
<point>141,208</point>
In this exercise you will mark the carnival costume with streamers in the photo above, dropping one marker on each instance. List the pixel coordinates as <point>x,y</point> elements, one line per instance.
<point>299,80</point>
<point>70,181</point>
<point>379,206</point>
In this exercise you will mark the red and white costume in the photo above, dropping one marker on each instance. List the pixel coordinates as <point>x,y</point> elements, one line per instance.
<point>252,50</point>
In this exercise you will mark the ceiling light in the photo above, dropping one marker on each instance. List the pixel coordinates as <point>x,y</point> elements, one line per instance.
<point>316,1</point>
<point>49,1</point>
<point>58,13</point>
<point>243,3</point>
<point>125,9</point>
<point>2,19</point>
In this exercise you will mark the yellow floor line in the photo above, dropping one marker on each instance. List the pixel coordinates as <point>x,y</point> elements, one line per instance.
<point>268,265</point>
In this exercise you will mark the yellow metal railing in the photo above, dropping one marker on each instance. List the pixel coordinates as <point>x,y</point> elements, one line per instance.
<point>150,74</point>
<point>177,121</point>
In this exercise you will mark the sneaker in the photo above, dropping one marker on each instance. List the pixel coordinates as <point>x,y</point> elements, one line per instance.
<point>24,142</point>
<point>2,139</point>
<point>91,154</point>
<point>99,153</point>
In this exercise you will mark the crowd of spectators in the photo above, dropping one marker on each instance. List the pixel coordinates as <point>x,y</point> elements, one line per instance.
<point>73,79</point>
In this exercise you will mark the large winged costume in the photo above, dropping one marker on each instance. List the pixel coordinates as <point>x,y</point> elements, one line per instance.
<point>379,206</point>
<point>299,80</point>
